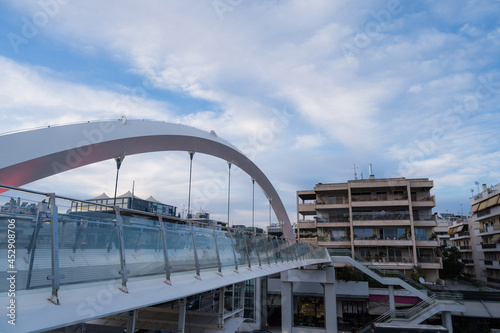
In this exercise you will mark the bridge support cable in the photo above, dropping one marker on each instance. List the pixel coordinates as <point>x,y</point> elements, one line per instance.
<point>188,214</point>
<point>229,193</point>
<point>253,205</point>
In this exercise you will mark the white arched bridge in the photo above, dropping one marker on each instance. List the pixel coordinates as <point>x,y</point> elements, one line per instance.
<point>68,266</point>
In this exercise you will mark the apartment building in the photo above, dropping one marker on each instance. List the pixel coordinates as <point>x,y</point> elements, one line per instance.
<point>485,208</point>
<point>386,221</point>
<point>462,237</point>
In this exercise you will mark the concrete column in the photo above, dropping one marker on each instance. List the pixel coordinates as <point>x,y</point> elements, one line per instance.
<point>222,298</point>
<point>330,301</point>
<point>182,315</point>
<point>257,302</point>
<point>447,322</point>
<point>286,306</point>
<point>392,302</point>
<point>131,320</point>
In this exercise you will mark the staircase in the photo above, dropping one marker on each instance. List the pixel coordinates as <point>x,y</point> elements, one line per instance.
<point>431,304</point>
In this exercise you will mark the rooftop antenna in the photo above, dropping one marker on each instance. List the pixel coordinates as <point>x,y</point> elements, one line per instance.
<point>355,173</point>
<point>477,184</point>
<point>471,192</point>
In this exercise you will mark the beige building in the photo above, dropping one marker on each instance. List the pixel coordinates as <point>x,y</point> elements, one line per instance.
<point>486,213</point>
<point>386,221</point>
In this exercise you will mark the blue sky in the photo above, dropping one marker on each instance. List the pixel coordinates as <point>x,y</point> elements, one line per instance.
<point>308,88</point>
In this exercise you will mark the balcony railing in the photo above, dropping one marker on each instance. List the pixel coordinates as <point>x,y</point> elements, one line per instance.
<point>460,234</point>
<point>385,216</point>
<point>488,245</point>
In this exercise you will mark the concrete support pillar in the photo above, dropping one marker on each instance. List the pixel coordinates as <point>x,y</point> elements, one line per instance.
<point>286,306</point>
<point>330,301</point>
<point>182,315</point>
<point>447,322</point>
<point>222,298</point>
<point>257,301</point>
<point>131,320</point>
<point>392,302</point>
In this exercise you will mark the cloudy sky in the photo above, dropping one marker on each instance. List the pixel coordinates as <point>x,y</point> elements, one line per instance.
<point>307,88</point>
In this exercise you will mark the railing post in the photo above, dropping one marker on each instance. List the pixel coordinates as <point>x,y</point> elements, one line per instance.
<point>219,265</point>
<point>163,234</point>
<point>55,277</point>
<point>121,241</point>
<point>234,249</point>
<point>196,261</point>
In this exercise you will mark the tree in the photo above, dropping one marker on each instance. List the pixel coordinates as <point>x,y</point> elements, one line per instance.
<point>452,266</point>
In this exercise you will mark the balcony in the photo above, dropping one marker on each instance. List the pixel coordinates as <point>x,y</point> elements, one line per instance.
<point>312,241</point>
<point>307,224</point>
<point>465,248</point>
<point>382,242</point>
<point>487,230</point>
<point>307,208</point>
<point>492,264</point>
<point>425,202</point>
<point>427,243</point>
<point>490,279</point>
<point>459,235</point>
<point>467,261</point>
<point>381,216</point>
<point>490,246</point>
<point>430,262</point>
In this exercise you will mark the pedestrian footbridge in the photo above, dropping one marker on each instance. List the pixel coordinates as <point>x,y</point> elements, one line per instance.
<point>70,267</point>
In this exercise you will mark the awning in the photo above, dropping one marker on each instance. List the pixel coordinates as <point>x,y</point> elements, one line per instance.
<point>492,201</point>
<point>482,205</point>
<point>452,230</point>
<point>474,208</point>
<point>459,228</point>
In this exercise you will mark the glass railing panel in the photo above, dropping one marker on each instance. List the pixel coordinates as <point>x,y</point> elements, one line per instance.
<point>88,251</point>
<point>240,248</point>
<point>261,246</point>
<point>272,245</point>
<point>18,241</point>
<point>205,247</point>
<point>252,248</point>
<point>225,248</point>
<point>143,251</point>
<point>180,247</point>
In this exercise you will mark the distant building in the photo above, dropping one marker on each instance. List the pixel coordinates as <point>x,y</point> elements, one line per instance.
<point>386,221</point>
<point>485,208</point>
<point>274,229</point>
<point>126,201</point>
<point>204,218</point>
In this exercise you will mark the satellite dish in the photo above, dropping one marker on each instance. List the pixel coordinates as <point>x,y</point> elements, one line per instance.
<point>123,119</point>
<point>422,280</point>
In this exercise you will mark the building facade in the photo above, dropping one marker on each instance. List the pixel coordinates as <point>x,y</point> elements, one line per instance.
<point>485,208</point>
<point>386,221</point>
